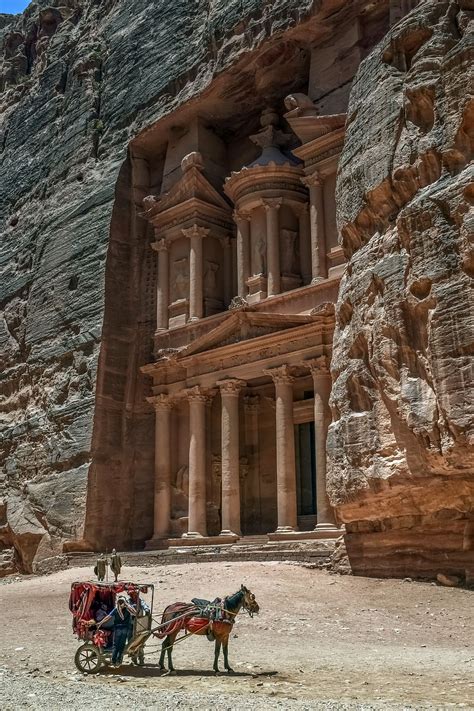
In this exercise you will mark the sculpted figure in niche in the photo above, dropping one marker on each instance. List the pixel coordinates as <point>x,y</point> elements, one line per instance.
<point>180,493</point>
<point>289,251</point>
<point>181,280</point>
<point>259,256</point>
<point>182,480</point>
<point>210,278</point>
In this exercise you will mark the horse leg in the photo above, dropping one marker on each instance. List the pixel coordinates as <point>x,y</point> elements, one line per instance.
<point>217,651</point>
<point>170,651</point>
<point>225,648</point>
<point>163,650</point>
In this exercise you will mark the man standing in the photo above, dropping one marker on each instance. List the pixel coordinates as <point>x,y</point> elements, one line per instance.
<point>115,564</point>
<point>100,567</point>
<point>122,617</point>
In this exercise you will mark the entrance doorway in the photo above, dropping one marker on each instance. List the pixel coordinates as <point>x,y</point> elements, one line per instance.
<point>305,475</point>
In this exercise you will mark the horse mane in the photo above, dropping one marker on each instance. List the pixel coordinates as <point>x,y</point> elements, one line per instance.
<point>233,600</point>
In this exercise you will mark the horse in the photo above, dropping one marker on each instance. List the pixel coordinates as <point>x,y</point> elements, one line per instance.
<point>191,620</point>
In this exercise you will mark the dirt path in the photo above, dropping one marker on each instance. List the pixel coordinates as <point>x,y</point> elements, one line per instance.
<point>321,641</point>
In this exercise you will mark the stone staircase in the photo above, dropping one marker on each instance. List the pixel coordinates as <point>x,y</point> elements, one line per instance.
<point>248,548</point>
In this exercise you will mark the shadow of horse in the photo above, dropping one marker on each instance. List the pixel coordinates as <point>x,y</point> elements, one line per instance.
<point>154,670</point>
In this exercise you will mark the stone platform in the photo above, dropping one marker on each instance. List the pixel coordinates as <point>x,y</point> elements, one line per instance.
<point>252,549</point>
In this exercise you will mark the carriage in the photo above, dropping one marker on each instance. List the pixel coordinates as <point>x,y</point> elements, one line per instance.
<point>96,648</point>
<point>199,617</point>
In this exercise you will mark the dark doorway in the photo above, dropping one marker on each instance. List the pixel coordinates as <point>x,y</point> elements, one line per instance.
<point>305,475</point>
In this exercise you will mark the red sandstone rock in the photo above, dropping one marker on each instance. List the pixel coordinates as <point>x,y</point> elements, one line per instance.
<point>402,460</point>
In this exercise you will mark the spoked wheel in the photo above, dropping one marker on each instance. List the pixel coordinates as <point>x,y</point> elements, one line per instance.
<point>88,659</point>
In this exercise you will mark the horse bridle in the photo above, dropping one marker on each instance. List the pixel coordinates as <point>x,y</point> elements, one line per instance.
<point>250,612</point>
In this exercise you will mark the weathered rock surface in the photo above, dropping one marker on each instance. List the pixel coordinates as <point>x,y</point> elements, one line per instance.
<point>78,80</point>
<point>401,444</point>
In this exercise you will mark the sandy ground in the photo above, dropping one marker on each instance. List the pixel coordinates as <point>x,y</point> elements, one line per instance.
<point>320,641</point>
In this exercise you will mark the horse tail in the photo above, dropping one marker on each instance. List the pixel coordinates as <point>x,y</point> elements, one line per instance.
<point>170,613</point>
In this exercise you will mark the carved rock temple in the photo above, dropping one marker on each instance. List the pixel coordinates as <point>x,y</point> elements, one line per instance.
<point>238,297</point>
<point>245,318</point>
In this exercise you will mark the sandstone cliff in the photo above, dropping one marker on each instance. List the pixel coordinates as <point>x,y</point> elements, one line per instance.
<point>401,443</point>
<point>79,79</point>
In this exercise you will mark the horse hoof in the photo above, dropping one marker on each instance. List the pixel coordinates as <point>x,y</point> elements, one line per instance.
<point>230,671</point>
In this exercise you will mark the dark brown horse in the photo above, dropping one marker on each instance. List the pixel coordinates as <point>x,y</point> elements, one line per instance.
<point>187,616</point>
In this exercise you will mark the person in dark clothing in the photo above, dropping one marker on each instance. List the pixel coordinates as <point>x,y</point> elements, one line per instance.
<point>122,617</point>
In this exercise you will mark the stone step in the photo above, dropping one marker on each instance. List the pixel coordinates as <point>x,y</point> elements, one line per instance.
<point>313,551</point>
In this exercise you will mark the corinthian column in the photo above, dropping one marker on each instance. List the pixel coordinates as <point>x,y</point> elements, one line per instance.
<point>285,449</point>
<point>226,248</point>
<point>254,516</point>
<point>242,221</point>
<point>230,390</point>
<point>162,290</point>
<point>272,207</point>
<point>304,233</point>
<point>197,525</point>
<point>318,237</point>
<point>322,418</point>
<point>196,235</point>
<point>162,484</point>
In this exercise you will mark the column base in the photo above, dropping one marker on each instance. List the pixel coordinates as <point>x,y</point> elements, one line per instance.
<point>327,527</point>
<point>189,542</point>
<point>193,534</point>
<point>317,280</point>
<point>225,533</point>
<point>156,543</point>
<point>304,535</point>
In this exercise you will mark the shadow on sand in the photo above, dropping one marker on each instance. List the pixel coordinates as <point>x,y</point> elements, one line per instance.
<point>153,670</point>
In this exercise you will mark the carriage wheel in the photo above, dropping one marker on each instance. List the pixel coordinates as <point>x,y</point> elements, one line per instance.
<point>88,659</point>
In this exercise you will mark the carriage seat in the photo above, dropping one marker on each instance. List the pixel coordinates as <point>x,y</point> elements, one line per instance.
<point>200,603</point>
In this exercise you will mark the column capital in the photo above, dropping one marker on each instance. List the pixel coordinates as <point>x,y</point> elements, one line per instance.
<point>195,231</point>
<point>161,402</point>
<point>280,375</point>
<point>231,386</point>
<point>314,179</point>
<point>251,403</point>
<point>318,366</point>
<point>224,241</point>
<point>160,245</point>
<point>241,215</point>
<point>199,394</point>
<point>272,203</point>
<point>301,209</point>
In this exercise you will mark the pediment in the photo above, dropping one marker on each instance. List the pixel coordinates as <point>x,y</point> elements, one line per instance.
<point>192,185</point>
<point>243,326</point>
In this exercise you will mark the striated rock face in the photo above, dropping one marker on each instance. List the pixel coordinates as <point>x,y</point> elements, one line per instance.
<point>401,443</point>
<point>79,79</point>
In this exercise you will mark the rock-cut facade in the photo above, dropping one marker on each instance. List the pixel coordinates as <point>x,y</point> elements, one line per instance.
<point>237,279</point>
